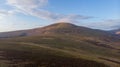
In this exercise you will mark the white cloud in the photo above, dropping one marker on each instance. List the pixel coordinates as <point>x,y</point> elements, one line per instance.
<point>72,18</point>
<point>35,8</point>
<point>27,4</point>
<point>31,7</point>
<point>113,23</point>
<point>4,13</point>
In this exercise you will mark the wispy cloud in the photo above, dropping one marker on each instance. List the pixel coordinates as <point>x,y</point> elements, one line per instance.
<point>114,24</point>
<point>72,18</point>
<point>27,4</point>
<point>106,24</point>
<point>4,13</point>
<point>35,8</point>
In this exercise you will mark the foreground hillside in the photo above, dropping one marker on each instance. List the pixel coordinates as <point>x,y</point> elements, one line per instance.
<point>61,45</point>
<point>55,51</point>
<point>36,55</point>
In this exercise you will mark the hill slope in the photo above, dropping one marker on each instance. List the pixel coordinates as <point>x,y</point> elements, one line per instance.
<point>58,28</point>
<point>117,31</point>
<point>66,29</point>
<point>59,45</point>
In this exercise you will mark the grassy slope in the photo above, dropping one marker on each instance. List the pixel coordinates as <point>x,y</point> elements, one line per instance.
<point>63,47</point>
<point>26,54</point>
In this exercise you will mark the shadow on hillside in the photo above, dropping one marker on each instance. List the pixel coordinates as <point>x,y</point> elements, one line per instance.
<point>27,59</point>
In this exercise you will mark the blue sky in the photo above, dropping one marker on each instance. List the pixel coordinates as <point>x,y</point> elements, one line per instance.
<point>27,14</point>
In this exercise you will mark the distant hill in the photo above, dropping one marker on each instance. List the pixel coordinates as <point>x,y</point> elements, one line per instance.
<point>58,28</point>
<point>116,31</point>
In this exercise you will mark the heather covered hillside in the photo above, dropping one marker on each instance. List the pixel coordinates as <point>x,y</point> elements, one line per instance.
<point>61,44</point>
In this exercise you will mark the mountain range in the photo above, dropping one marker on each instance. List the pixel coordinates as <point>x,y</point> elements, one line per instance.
<point>60,45</point>
<point>116,31</point>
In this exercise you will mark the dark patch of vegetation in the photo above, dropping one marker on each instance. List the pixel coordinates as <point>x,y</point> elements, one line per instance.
<point>110,60</point>
<point>23,34</point>
<point>27,59</point>
<point>99,44</point>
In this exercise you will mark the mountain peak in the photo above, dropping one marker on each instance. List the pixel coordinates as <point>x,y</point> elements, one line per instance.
<point>62,25</point>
